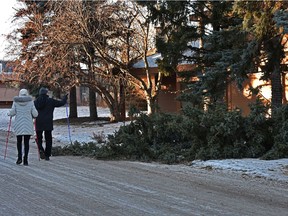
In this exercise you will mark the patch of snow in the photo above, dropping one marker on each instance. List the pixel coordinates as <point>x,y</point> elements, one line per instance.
<point>269,169</point>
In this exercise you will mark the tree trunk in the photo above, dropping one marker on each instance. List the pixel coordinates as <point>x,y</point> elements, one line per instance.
<point>151,105</point>
<point>276,86</point>
<point>283,88</point>
<point>92,105</point>
<point>111,99</point>
<point>115,114</point>
<point>73,103</point>
<point>122,103</point>
<point>275,47</point>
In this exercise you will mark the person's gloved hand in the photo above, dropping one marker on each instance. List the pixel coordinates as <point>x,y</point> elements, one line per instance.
<point>65,97</point>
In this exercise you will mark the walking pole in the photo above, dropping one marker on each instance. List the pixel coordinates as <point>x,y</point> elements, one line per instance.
<point>8,133</point>
<point>36,140</point>
<point>68,123</point>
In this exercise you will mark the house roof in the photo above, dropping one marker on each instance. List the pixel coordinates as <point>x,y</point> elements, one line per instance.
<point>153,59</point>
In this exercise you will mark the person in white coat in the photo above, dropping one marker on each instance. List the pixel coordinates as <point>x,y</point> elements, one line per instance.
<point>24,111</point>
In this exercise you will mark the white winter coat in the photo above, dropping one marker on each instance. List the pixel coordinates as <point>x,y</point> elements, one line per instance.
<point>24,111</point>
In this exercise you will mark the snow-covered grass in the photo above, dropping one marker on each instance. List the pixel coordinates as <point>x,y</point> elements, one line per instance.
<point>83,132</point>
<point>272,170</point>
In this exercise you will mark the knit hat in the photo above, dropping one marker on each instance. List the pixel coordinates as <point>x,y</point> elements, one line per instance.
<point>23,92</point>
<point>43,91</point>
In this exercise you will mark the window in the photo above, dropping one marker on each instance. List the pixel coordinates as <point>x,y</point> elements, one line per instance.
<point>5,68</point>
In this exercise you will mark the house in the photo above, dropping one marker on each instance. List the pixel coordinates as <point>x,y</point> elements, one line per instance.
<point>6,92</point>
<point>241,99</point>
<point>170,89</point>
<point>166,100</point>
<point>235,98</point>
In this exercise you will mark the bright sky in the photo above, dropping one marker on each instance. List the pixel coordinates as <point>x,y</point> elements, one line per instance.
<point>6,15</point>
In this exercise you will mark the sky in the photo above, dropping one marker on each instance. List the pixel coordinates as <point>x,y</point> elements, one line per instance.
<point>272,170</point>
<point>6,16</point>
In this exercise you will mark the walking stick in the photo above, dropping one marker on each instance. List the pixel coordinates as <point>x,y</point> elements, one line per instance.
<point>8,133</point>
<point>36,140</point>
<point>68,123</point>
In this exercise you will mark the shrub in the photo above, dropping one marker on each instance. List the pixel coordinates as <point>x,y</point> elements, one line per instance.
<point>194,134</point>
<point>279,149</point>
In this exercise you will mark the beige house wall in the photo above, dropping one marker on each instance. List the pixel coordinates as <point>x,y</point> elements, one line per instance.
<point>6,95</point>
<point>242,98</point>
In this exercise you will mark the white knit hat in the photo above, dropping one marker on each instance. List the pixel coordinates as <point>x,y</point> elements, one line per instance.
<point>23,92</point>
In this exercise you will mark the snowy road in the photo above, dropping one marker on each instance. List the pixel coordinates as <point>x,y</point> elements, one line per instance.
<point>82,186</point>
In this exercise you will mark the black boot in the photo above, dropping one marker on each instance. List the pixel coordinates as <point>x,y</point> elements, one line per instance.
<point>42,154</point>
<point>25,161</point>
<point>19,161</point>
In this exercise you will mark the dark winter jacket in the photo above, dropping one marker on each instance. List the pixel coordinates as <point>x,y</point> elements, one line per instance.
<point>45,107</point>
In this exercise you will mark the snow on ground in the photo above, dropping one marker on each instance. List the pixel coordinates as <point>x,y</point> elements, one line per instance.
<point>85,131</point>
<point>272,169</point>
<point>70,133</point>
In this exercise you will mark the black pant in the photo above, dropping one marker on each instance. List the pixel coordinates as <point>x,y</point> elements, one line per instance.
<point>26,145</point>
<point>48,141</point>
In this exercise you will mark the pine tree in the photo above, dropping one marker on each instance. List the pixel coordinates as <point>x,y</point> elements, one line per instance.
<point>184,23</point>
<point>218,53</point>
<point>242,36</point>
<point>175,32</point>
<point>263,22</point>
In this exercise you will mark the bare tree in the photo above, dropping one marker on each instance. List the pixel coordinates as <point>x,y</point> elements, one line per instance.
<point>108,38</point>
<point>127,38</point>
<point>37,61</point>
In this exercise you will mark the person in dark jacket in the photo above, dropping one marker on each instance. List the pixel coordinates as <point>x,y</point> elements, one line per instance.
<point>44,122</point>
